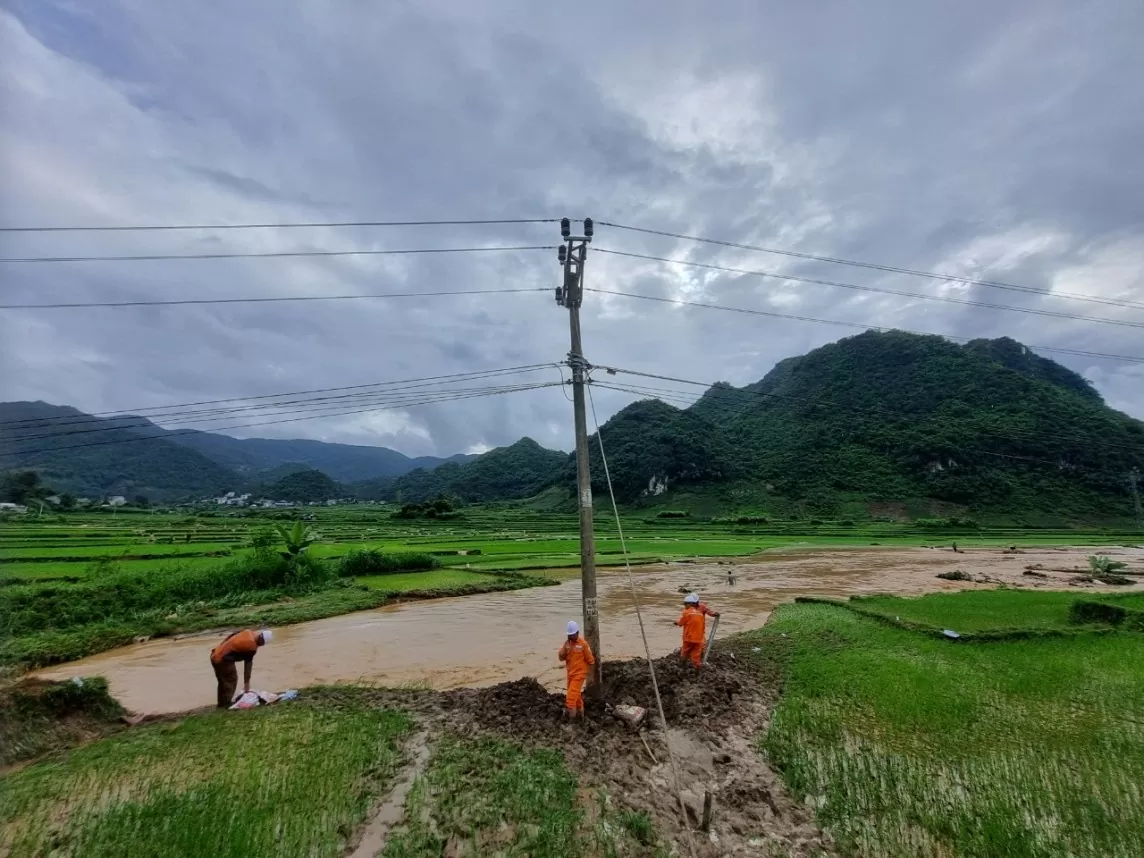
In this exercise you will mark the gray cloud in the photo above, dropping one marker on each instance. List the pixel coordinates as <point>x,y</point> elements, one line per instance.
<point>969,139</point>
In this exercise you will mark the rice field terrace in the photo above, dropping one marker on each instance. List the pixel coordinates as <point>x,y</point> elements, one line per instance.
<point>484,539</point>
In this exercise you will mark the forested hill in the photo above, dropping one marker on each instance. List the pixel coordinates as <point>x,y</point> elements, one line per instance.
<point>891,416</point>
<point>87,456</point>
<point>517,471</point>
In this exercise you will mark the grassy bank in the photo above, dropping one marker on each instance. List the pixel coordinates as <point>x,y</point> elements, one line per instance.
<point>910,745</point>
<point>294,779</point>
<point>39,717</point>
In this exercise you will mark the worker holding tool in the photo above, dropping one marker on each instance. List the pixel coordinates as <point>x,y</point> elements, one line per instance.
<point>694,623</point>
<point>578,660</point>
<point>237,646</point>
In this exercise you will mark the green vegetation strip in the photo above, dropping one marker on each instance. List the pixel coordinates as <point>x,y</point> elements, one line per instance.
<point>490,797</point>
<point>908,745</point>
<point>293,779</point>
<point>976,616</point>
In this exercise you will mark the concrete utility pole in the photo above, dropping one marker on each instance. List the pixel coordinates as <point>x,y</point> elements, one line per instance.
<point>1133,476</point>
<point>571,294</point>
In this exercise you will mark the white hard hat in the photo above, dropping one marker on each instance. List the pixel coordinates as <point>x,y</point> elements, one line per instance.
<point>691,599</point>
<point>573,627</point>
<point>267,635</point>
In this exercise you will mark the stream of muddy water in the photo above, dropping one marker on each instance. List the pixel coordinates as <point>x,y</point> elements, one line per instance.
<point>485,639</point>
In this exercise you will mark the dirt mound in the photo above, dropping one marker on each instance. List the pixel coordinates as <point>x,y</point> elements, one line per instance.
<point>512,708</point>
<point>711,695</point>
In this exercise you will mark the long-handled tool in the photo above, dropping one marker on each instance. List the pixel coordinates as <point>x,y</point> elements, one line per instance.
<point>710,639</point>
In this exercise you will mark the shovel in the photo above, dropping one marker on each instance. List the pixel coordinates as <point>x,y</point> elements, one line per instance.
<point>710,640</point>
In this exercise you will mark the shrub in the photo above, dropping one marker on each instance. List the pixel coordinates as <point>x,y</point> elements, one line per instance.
<point>673,513</point>
<point>373,562</point>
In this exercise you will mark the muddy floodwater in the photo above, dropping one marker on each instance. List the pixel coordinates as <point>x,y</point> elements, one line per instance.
<point>485,639</point>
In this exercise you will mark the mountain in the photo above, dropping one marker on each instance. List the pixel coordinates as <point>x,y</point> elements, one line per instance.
<point>305,487</point>
<point>77,453</point>
<point>893,416</point>
<point>342,462</point>
<point>517,471</point>
<point>82,454</point>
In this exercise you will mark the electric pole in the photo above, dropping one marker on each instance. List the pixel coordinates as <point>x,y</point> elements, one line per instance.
<point>1133,476</point>
<point>571,294</point>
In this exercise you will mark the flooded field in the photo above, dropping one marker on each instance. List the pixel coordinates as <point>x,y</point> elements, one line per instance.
<point>484,639</point>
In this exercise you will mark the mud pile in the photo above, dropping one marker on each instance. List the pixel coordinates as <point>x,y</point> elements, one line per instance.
<point>711,695</point>
<point>709,699</point>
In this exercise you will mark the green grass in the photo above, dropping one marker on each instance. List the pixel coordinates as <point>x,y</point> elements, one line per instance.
<point>910,745</point>
<point>977,610</point>
<point>490,797</point>
<point>436,579</point>
<point>293,779</point>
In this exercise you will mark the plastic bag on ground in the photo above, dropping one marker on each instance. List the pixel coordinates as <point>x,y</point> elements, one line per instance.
<point>247,701</point>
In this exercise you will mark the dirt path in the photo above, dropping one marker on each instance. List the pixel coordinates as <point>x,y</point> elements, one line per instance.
<point>480,640</point>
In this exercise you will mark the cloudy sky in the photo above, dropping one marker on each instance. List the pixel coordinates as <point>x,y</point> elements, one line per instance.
<point>997,141</point>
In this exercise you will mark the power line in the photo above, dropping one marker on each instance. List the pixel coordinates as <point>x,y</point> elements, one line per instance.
<point>337,413</point>
<point>99,416</point>
<point>942,298</point>
<point>183,302</point>
<point>394,395</point>
<point>272,254</point>
<point>893,269</point>
<point>858,325</point>
<point>331,224</point>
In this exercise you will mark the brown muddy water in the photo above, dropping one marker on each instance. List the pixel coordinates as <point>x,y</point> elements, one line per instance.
<point>484,639</point>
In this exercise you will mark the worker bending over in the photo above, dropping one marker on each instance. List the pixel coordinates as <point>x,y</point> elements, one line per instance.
<point>694,623</point>
<point>237,646</point>
<point>578,660</point>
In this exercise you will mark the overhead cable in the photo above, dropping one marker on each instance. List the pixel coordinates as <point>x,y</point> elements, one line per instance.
<point>160,412</point>
<point>335,413</point>
<point>893,269</point>
<point>858,325</point>
<point>272,254</point>
<point>183,302</point>
<point>303,225</point>
<point>943,298</point>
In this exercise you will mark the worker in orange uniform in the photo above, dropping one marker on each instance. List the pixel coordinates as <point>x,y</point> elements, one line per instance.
<point>694,623</point>
<point>578,660</point>
<point>236,647</point>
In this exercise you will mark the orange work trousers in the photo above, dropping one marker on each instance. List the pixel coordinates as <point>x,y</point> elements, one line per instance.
<point>574,696</point>
<point>692,652</point>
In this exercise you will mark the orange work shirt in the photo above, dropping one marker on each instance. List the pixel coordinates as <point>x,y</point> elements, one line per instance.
<point>694,625</point>
<point>240,646</point>
<point>577,655</point>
